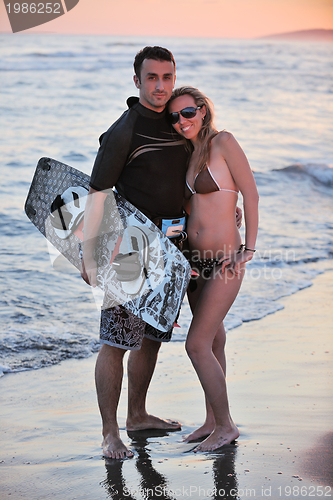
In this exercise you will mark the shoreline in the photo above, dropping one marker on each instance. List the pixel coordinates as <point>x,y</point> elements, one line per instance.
<point>279,384</point>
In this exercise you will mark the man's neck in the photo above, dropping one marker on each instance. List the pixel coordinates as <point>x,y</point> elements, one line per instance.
<point>156,109</point>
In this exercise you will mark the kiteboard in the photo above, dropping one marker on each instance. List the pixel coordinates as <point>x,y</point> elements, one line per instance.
<point>137,265</point>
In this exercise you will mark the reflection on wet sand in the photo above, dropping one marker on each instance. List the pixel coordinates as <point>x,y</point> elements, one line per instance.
<point>153,485</point>
<point>225,480</point>
<point>318,461</point>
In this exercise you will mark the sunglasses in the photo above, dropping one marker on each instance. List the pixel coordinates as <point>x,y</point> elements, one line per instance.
<point>189,112</point>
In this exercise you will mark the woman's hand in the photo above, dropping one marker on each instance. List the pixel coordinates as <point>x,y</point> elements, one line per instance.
<point>234,263</point>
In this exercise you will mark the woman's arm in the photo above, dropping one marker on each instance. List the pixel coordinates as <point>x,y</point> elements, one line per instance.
<point>242,174</point>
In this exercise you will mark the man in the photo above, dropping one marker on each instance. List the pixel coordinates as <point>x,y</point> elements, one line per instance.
<point>140,155</point>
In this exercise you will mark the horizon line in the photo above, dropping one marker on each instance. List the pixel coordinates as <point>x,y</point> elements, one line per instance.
<point>28,32</point>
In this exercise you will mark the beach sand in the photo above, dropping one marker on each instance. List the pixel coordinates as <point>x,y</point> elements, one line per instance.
<point>280,391</point>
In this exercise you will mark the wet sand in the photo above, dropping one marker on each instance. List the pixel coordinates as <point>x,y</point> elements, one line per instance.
<point>280,391</point>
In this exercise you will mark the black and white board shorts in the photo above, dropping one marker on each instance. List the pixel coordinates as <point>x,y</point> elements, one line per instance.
<point>121,328</point>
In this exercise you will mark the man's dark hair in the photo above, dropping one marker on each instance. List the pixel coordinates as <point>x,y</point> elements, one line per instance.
<point>157,53</point>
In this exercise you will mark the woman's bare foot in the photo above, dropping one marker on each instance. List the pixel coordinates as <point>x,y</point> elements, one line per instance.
<point>113,447</point>
<point>152,422</point>
<point>202,432</point>
<point>219,437</point>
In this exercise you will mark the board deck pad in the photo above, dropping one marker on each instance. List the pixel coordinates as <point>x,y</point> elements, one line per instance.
<point>137,265</point>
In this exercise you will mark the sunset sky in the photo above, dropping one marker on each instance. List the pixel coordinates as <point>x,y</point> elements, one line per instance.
<point>190,18</point>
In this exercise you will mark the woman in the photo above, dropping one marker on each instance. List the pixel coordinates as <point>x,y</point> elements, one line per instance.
<point>217,170</point>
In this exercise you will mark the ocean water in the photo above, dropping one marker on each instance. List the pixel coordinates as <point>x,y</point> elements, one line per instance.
<point>59,93</point>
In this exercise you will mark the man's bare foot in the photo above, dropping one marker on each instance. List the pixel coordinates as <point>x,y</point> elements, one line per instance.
<point>219,437</point>
<point>202,432</point>
<point>152,422</point>
<point>113,447</point>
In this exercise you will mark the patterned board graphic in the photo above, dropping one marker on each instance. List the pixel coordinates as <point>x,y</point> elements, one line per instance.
<point>55,205</point>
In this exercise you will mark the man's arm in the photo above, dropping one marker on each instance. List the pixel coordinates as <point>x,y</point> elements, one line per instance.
<point>93,216</point>
<point>109,163</point>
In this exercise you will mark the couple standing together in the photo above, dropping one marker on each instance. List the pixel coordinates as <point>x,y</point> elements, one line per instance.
<point>166,141</point>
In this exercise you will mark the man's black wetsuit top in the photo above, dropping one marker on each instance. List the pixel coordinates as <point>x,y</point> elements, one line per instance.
<point>145,159</point>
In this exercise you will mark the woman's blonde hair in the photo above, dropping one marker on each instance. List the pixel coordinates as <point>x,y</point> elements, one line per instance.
<point>208,130</point>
